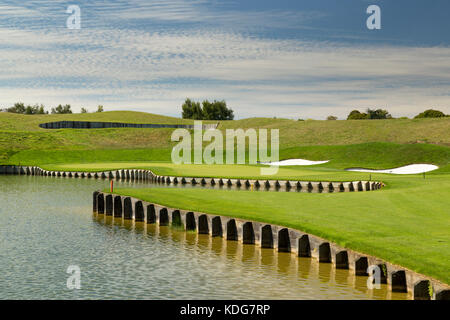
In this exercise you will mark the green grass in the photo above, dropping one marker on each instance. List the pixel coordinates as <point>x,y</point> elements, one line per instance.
<point>315,173</point>
<point>380,143</point>
<point>406,223</point>
<point>292,133</point>
<point>369,155</point>
<point>213,171</point>
<point>13,121</point>
<point>323,132</point>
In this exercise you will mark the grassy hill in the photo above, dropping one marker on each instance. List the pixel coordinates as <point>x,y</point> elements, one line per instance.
<point>339,132</point>
<point>292,132</point>
<point>13,121</point>
<point>372,143</point>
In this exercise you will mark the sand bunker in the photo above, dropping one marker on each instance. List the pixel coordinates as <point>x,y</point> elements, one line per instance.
<point>409,169</point>
<point>294,162</point>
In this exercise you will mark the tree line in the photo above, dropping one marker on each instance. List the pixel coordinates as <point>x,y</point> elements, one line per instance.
<point>20,107</point>
<point>216,110</point>
<point>371,114</point>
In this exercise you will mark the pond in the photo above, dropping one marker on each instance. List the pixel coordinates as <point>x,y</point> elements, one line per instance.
<point>47,225</point>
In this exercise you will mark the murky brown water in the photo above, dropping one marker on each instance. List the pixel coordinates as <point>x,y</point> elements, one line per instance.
<point>47,224</point>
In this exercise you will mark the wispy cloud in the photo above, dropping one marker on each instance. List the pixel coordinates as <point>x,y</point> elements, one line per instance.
<point>212,14</point>
<point>154,69</point>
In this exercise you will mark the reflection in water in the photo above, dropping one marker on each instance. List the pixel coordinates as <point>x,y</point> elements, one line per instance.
<point>53,227</point>
<point>329,283</point>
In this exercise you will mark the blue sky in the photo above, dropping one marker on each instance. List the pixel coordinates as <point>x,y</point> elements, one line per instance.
<point>294,59</point>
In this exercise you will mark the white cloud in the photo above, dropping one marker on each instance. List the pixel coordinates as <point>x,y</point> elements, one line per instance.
<point>155,70</point>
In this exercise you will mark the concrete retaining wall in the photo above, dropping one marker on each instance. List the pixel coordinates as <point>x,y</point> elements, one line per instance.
<point>103,125</point>
<point>132,174</point>
<point>240,184</point>
<point>277,237</point>
<point>273,185</point>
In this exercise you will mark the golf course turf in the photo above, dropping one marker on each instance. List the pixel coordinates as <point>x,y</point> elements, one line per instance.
<point>407,222</point>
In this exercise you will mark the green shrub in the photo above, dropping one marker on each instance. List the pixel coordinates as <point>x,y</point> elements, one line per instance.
<point>371,114</point>
<point>356,115</point>
<point>430,113</point>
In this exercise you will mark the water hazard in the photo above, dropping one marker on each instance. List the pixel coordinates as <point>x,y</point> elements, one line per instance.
<point>47,224</point>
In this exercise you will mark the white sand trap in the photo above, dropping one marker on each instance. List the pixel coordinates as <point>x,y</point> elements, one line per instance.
<point>294,162</point>
<point>409,169</point>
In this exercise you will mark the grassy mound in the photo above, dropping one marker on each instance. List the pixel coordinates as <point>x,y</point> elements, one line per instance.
<point>21,122</point>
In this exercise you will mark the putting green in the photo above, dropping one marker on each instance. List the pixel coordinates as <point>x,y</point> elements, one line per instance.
<point>222,171</point>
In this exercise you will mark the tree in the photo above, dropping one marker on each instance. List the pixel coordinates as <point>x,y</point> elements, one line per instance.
<point>186,109</point>
<point>84,110</point>
<point>42,110</point>
<point>36,109</point>
<point>20,107</point>
<point>29,110</point>
<point>371,114</point>
<point>62,109</point>
<point>223,113</point>
<point>210,111</point>
<point>430,113</point>
<point>356,115</point>
<point>192,110</point>
<point>216,110</point>
<point>331,118</point>
<point>378,114</point>
<point>100,108</point>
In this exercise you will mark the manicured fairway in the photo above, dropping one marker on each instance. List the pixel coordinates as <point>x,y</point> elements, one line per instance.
<point>407,224</point>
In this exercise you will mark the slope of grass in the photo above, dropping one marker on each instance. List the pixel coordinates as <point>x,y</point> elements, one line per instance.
<point>13,121</point>
<point>21,137</point>
<point>375,155</point>
<point>406,224</point>
<point>40,146</point>
<point>292,133</point>
<point>370,155</point>
<point>323,132</point>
